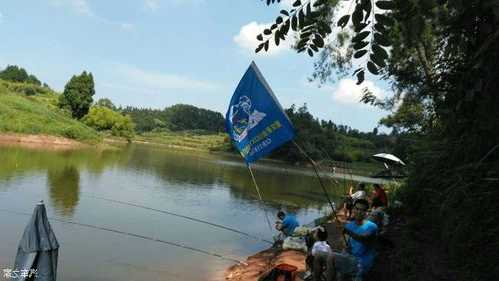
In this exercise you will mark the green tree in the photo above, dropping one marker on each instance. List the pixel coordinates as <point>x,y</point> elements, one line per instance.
<point>105,102</point>
<point>18,74</point>
<point>442,65</point>
<point>77,95</point>
<point>104,119</point>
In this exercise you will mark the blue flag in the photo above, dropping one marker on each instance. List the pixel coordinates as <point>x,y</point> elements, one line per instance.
<point>255,120</point>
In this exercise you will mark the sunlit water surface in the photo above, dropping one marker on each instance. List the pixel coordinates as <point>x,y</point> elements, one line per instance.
<point>212,188</point>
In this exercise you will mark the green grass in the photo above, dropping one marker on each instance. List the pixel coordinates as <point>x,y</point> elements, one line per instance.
<point>30,109</point>
<point>184,139</point>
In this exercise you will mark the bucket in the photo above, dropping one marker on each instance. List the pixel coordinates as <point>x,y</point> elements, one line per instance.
<point>287,272</point>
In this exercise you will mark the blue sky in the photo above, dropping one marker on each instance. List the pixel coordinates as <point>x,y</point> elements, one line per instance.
<point>156,53</point>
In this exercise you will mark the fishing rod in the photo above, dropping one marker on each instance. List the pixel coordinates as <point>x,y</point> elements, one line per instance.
<point>181,216</point>
<point>318,177</point>
<point>179,245</point>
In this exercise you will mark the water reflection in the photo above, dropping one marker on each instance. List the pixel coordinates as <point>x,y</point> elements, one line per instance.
<point>193,184</point>
<point>64,189</point>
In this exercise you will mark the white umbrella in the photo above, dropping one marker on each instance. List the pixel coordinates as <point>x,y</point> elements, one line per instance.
<point>385,157</point>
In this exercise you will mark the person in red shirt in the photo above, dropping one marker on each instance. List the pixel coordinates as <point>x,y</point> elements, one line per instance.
<point>379,198</point>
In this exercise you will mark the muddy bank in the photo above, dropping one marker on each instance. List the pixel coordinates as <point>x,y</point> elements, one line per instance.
<point>40,141</point>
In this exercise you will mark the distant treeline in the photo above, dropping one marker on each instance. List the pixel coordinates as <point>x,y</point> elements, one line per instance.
<point>15,73</point>
<point>325,140</point>
<point>179,117</point>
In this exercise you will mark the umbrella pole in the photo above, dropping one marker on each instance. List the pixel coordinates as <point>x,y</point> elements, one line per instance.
<point>259,196</point>
<point>318,176</point>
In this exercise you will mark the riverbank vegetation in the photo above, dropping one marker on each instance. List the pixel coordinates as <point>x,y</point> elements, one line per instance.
<point>442,66</point>
<point>178,126</point>
<point>31,109</point>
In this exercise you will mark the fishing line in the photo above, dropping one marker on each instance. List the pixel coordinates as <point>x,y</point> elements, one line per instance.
<point>318,176</point>
<point>181,216</point>
<point>260,196</point>
<point>134,235</point>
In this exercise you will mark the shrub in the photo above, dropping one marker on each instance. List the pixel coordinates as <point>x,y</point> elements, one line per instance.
<point>104,119</point>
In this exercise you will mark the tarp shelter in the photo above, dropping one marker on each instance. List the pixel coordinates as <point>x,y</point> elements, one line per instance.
<point>38,249</point>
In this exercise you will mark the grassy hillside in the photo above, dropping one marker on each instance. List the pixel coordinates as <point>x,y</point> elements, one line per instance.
<point>30,109</point>
<point>185,139</point>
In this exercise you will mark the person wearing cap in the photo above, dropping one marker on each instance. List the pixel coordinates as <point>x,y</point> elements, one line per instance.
<point>360,193</point>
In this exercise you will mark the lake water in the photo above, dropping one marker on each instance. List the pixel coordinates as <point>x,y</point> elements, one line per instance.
<point>74,184</point>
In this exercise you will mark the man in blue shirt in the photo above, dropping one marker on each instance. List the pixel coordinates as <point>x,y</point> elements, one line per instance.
<point>362,234</point>
<point>288,225</point>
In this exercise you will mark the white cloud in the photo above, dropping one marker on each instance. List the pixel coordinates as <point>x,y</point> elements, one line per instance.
<point>155,81</point>
<point>246,39</point>
<point>348,92</point>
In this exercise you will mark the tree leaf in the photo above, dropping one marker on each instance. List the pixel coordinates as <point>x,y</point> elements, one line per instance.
<point>266,45</point>
<point>360,44</point>
<point>357,70</point>
<point>309,9</point>
<point>372,68</point>
<point>278,20</point>
<point>284,12</point>
<point>313,47</point>
<point>301,17</point>
<point>285,27</point>
<point>379,27</point>
<point>267,32</point>
<point>273,26</point>
<point>357,15</point>
<point>384,20</point>
<point>301,43</point>
<point>305,35</point>
<point>367,6</point>
<point>359,54</point>
<point>360,77</point>
<point>259,48</point>
<point>297,3</point>
<point>310,53</point>
<point>259,37</point>
<point>294,22</point>
<point>360,27</point>
<point>277,37</point>
<point>281,35</point>
<point>360,36</point>
<point>379,52</point>
<point>385,5</point>
<point>343,21</point>
<point>318,41</point>
<point>381,39</point>
<point>378,61</point>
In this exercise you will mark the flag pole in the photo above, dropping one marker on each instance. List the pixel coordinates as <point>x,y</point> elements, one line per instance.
<point>318,177</point>
<point>259,196</point>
